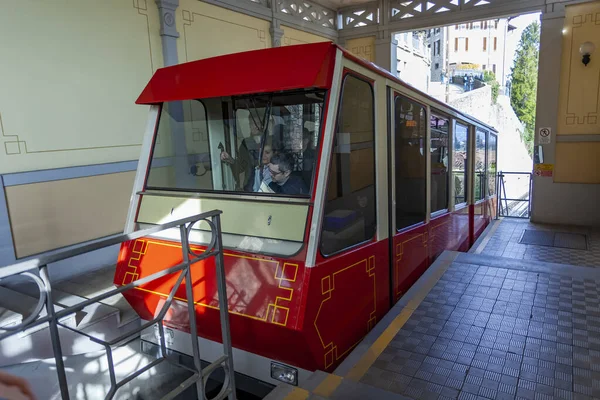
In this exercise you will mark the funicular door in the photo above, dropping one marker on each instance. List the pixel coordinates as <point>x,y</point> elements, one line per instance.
<point>408,186</point>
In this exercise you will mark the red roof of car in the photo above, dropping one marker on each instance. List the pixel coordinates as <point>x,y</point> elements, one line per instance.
<point>257,71</point>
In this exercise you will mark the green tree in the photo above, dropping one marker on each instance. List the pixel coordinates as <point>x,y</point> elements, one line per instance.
<point>524,80</point>
<point>490,78</point>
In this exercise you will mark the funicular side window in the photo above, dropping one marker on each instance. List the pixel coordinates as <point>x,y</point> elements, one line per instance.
<point>410,167</point>
<point>439,162</point>
<point>349,216</point>
<point>183,130</point>
<point>460,147</point>
<point>480,169</point>
<point>492,162</point>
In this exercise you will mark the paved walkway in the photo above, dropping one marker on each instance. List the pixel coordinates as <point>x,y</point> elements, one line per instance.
<point>474,327</point>
<point>506,233</point>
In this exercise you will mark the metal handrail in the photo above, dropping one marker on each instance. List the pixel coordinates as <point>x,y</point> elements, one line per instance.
<point>200,375</point>
<point>503,210</point>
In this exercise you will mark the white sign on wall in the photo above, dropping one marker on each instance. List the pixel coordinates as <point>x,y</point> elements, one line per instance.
<point>545,136</point>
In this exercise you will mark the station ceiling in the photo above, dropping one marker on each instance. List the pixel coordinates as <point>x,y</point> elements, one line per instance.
<point>337,4</point>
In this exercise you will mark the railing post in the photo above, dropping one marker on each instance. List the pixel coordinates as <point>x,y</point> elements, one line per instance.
<point>54,335</point>
<point>224,305</point>
<point>189,291</point>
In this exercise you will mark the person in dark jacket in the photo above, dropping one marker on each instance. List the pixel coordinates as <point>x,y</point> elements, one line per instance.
<point>248,155</point>
<point>282,180</point>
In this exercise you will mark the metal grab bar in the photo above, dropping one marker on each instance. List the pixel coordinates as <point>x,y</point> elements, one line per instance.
<point>200,376</point>
<point>506,209</point>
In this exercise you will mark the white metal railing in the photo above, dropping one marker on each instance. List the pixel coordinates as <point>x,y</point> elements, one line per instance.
<point>37,270</point>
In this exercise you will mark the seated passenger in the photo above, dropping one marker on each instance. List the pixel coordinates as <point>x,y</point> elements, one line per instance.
<point>261,174</point>
<point>283,181</point>
<point>304,159</point>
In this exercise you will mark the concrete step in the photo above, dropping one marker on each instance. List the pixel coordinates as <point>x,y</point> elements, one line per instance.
<point>97,283</point>
<point>20,305</point>
<point>105,320</point>
<point>86,317</point>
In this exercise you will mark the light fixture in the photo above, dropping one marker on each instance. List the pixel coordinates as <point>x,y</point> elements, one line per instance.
<point>586,49</point>
<point>284,373</point>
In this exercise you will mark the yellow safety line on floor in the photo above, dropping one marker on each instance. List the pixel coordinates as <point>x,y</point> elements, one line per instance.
<point>297,394</point>
<point>332,382</point>
<point>363,365</point>
<point>328,386</point>
<point>487,237</point>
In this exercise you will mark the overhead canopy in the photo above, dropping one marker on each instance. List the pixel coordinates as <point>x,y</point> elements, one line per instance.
<point>257,71</point>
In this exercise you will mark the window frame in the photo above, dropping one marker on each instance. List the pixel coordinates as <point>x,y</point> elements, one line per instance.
<point>485,132</point>
<point>437,113</point>
<point>487,163</point>
<point>371,82</point>
<point>466,201</point>
<point>425,146</point>
<point>153,149</point>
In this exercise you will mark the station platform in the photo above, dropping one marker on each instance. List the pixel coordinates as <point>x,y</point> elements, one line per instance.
<point>500,322</point>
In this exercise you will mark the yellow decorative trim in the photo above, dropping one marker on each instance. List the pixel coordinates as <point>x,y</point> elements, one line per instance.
<point>272,308</point>
<point>571,117</point>
<point>189,17</point>
<point>400,253</point>
<point>327,287</point>
<point>142,8</point>
<point>371,272</point>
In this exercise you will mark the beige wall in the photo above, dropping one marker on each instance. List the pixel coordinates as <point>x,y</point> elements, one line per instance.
<point>293,36</point>
<point>579,103</point>
<point>207,31</point>
<point>49,215</point>
<point>69,77</point>
<point>577,162</point>
<point>362,47</point>
<point>70,73</point>
<point>564,87</point>
<point>579,106</point>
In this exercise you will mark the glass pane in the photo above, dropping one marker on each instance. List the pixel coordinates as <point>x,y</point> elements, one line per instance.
<point>479,179</point>
<point>410,134</point>
<point>259,144</point>
<point>459,169</point>
<point>349,216</point>
<point>492,161</point>
<point>439,162</point>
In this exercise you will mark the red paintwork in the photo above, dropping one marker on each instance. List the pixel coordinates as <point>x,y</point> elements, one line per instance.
<point>280,309</point>
<point>257,71</point>
<point>307,317</point>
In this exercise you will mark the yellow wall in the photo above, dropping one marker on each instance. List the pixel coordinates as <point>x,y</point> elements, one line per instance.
<point>579,99</point>
<point>579,106</point>
<point>48,215</point>
<point>577,162</point>
<point>293,36</point>
<point>207,31</point>
<point>362,47</point>
<point>70,72</point>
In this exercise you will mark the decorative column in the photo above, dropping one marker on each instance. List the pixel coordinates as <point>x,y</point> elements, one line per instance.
<point>276,33</point>
<point>548,94</point>
<point>169,35</point>
<point>275,30</point>
<point>168,30</point>
<point>386,51</point>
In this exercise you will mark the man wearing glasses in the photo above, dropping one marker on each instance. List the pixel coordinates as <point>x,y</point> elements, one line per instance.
<point>282,180</point>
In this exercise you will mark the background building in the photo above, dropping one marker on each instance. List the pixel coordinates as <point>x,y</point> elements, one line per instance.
<point>474,46</point>
<point>414,59</point>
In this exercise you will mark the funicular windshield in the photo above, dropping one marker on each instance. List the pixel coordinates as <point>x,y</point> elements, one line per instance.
<point>258,144</point>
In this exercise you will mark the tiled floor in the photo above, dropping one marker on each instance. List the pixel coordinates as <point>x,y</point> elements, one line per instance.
<point>505,243</point>
<point>499,333</point>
